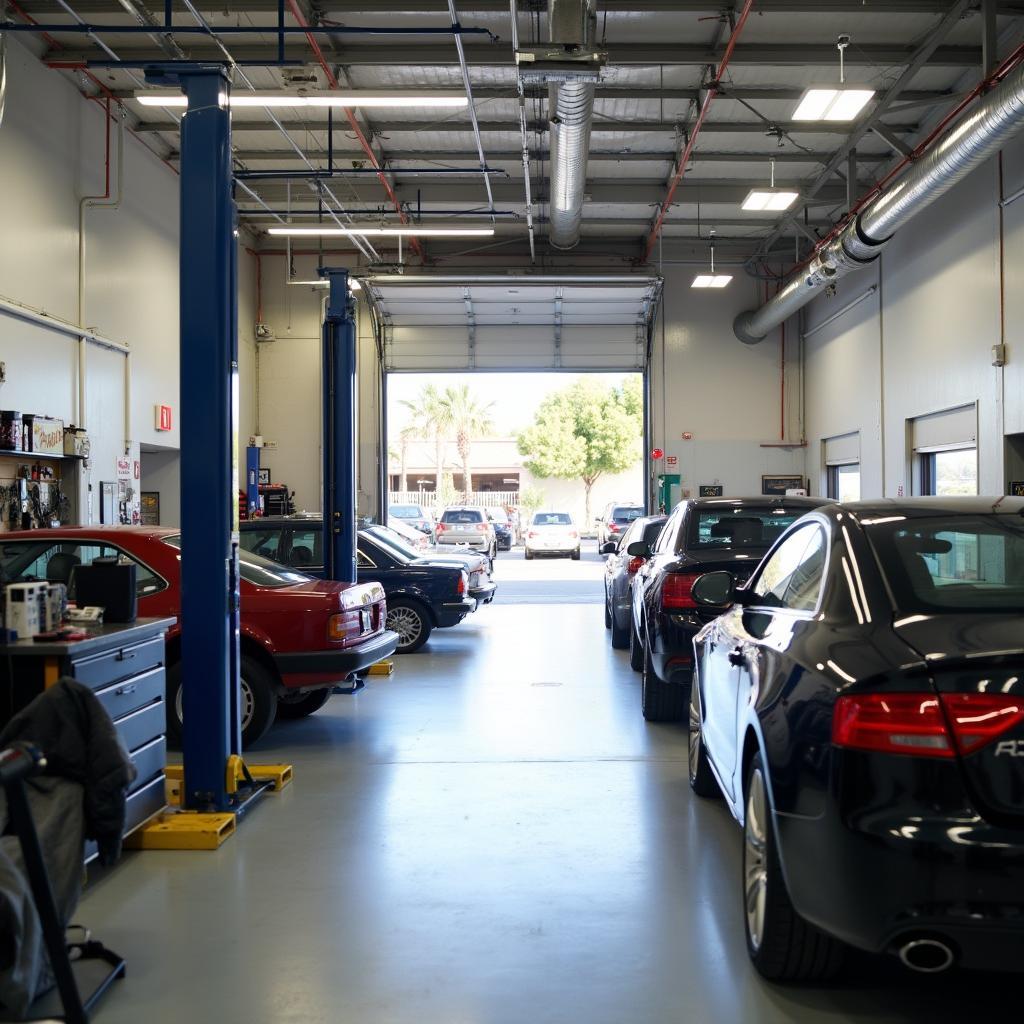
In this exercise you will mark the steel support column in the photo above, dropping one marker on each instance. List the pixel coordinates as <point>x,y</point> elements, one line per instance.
<point>339,431</point>
<point>209,472</point>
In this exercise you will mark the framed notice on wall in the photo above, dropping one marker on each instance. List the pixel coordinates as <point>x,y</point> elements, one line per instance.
<point>264,476</point>
<point>709,490</point>
<point>150,508</point>
<point>780,483</point>
<point>1016,489</point>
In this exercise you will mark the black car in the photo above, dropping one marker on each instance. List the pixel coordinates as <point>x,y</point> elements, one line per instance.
<point>620,569</point>
<point>861,708</point>
<point>502,528</point>
<point>701,535</point>
<point>422,593</point>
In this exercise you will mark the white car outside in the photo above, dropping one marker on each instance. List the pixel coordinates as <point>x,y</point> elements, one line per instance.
<point>552,533</point>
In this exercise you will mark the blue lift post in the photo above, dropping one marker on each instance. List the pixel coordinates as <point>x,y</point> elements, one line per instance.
<point>209,474</point>
<point>339,430</point>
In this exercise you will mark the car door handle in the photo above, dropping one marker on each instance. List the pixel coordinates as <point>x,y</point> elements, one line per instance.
<point>736,656</point>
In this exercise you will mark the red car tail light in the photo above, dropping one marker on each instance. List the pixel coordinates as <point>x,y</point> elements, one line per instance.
<point>918,723</point>
<point>462,584</point>
<point>677,590</point>
<point>441,527</point>
<point>482,527</point>
<point>344,625</point>
<point>634,566</point>
<point>613,528</point>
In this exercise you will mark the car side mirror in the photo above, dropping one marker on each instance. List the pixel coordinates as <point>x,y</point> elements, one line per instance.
<point>714,589</point>
<point>608,548</point>
<point>639,549</point>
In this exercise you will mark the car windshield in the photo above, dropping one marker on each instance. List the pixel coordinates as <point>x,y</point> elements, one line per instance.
<point>962,563</point>
<point>552,519</point>
<point>406,511</point>
<point>462,515</point>
<point>256,569</point>
<point>395,543</point>
<point>744,526</point>
<point>626,513</point>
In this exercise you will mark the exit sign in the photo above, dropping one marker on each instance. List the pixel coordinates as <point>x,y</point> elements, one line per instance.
<point>162,417</point>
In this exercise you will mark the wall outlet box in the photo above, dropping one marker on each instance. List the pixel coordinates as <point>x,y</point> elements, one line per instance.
<point>264,332</point>
<point>998,355</point>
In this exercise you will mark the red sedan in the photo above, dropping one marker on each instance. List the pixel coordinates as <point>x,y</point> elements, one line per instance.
<point>299,636</point>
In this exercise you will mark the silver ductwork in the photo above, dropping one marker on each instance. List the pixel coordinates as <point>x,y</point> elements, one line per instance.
<point>571,26</point>
<point>973,140</point>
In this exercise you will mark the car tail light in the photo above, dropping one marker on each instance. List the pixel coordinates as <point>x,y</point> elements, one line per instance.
<point>344,625</point>
<point>441,527</point>
<point>482,527</point>
<point>677,590</point>
<point>613,527</point>
<point>463,582</point>
<point>573,534</point>
<point>918,723</point>
<point>634,566</point>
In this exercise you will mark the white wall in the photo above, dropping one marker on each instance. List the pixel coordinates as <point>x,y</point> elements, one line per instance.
<point>161,472</point>
<point>923,342</point>
<point>51,154</point>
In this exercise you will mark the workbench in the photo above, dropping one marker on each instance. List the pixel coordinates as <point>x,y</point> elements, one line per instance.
<point>123,664</point>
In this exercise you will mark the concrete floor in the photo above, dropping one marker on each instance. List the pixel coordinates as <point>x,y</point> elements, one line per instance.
<point>491,835</point>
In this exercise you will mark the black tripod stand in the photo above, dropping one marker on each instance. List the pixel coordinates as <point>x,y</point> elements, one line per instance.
<point>17,763</point>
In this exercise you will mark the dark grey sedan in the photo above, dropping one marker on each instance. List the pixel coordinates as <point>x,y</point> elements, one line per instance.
<point>619,570</point>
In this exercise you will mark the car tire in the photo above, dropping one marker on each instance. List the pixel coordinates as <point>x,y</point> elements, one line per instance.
<point>620,635</point>
<point>258,702</point>
<point>660,702</point>
<point>781,944</point>
<point>636,648</point>
<point>410,621</point>
<point>576,555</point>
<point>302,705</point>
<point>607,609</point>
<point>702,778</point>
<point>528,555</point>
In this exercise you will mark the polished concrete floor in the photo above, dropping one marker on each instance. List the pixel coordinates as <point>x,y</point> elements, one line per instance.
<point>490,836</point>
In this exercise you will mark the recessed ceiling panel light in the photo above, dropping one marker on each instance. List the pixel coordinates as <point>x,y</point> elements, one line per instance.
<point>172,98</point>
<point>773,199</point>
<point>702,281</point>
<point>832,103</point>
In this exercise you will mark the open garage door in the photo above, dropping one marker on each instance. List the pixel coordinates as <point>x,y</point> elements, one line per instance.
<point>498,322</point>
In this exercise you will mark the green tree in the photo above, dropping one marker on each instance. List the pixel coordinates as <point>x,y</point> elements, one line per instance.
<point>584,432</point>
<point>467,418</point>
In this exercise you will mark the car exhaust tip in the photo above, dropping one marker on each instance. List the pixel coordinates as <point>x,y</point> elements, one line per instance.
<point>926,956</point>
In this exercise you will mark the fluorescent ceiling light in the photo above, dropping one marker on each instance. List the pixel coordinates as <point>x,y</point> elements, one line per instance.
<point>832,104</point>
<point>773,199</point>
<point>322,282</point>
<point>711,280</point>
<point>172,98</point>
<point>416,232</point>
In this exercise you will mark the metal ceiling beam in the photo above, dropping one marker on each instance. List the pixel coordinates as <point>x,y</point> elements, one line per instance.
<point>505,226</point>
<point>600,127</point>
<point>892,139</point>
<point>871,55</point>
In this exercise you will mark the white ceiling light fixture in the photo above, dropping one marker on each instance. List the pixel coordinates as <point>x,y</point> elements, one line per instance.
<point>400,232</point>
<point>711,280</point>
<point>278,98</point>
<point>834,102</point>
<point>770,199</point>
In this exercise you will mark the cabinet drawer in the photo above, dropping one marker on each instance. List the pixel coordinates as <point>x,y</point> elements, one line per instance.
<point>149,762</point>
<point>144,803</point>
<point>138,728</point>
<point>119,663</point>
<point>131,694</point>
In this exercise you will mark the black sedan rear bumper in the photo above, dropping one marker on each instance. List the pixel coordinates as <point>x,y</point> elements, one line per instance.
<point>672,648</point>
<point>341,663</point>
<point>484,594</point>
<point>451,613</point>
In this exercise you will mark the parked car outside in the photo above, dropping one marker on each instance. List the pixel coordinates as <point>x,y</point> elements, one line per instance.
<point>416,516</point>
<point>552,533</point>
<point>502,527</point>
<point>467,525</point>
<point>701,535</point>
<point>299,636</point>
<point>860,706</point>
<point>615,520</point>
<point>421,587</point>
<point>620,569</point>
<point>416,538</point>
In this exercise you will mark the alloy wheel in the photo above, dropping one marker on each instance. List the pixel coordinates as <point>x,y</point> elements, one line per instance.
<point>693,753</point>
<point>406,623</point>
<point>246,704</point>
<point>755,859</point>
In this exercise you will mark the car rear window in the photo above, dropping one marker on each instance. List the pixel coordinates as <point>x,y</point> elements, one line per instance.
<point>626,513</point>
<point>462,515</point>
<point>738,527</point>
<point>968,563</point>
<point>552,519</point>
<point>256,569</point>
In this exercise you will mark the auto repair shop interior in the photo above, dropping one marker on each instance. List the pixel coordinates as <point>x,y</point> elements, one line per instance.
<point>323,767</point>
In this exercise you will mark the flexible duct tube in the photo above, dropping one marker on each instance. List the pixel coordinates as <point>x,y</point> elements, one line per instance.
<point>976,138</point>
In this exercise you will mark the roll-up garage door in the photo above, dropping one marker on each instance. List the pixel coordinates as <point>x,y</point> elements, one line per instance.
<point>514,323</point>
<point>943,431</point>
<point>843,450</point>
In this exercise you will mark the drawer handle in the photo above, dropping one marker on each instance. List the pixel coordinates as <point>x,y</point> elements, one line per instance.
<point>123,691</point>
<point>125,655</point>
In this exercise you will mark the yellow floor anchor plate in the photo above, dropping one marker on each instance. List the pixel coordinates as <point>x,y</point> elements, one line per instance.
<point>382,668</point>
<point>183,830</point>
<point>279,774</point>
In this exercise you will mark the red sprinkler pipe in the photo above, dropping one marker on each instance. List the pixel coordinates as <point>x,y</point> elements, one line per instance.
<point>692,141</point>
<point>353,123</point>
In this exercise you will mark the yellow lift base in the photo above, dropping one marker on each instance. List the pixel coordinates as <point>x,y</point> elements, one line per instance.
<point>183,830</point>
<point>279,775</point>
<point>382,668</point>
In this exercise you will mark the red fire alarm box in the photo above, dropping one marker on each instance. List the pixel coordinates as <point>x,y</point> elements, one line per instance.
<point>162,417</point>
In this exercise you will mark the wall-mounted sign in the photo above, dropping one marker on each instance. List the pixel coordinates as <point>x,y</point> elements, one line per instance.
<point>657,454</point>
<point>162,418</point>
<point>781,483</point>
<point>150,513</point>
<point>710,490</point>
<point>47,436</point>
<point>1016,488</point>
<point>264,475</point>
<point>671,460</point>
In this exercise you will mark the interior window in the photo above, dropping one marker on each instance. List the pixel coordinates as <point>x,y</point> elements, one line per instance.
<point>950,472</point>
<point>791,578</point>
<point>263,542</point>
<point>306,548</point>
<point>844,482</point>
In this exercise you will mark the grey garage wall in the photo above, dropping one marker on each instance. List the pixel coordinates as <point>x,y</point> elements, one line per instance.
<point>922,343</point>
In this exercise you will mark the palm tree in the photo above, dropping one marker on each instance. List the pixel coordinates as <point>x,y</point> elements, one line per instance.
<point>406,435</point>
<point>429,415</point>
<point>467,418</point>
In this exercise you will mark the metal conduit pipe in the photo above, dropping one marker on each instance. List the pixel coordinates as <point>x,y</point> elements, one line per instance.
<point>571,115</point>
<point>968,144</point>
